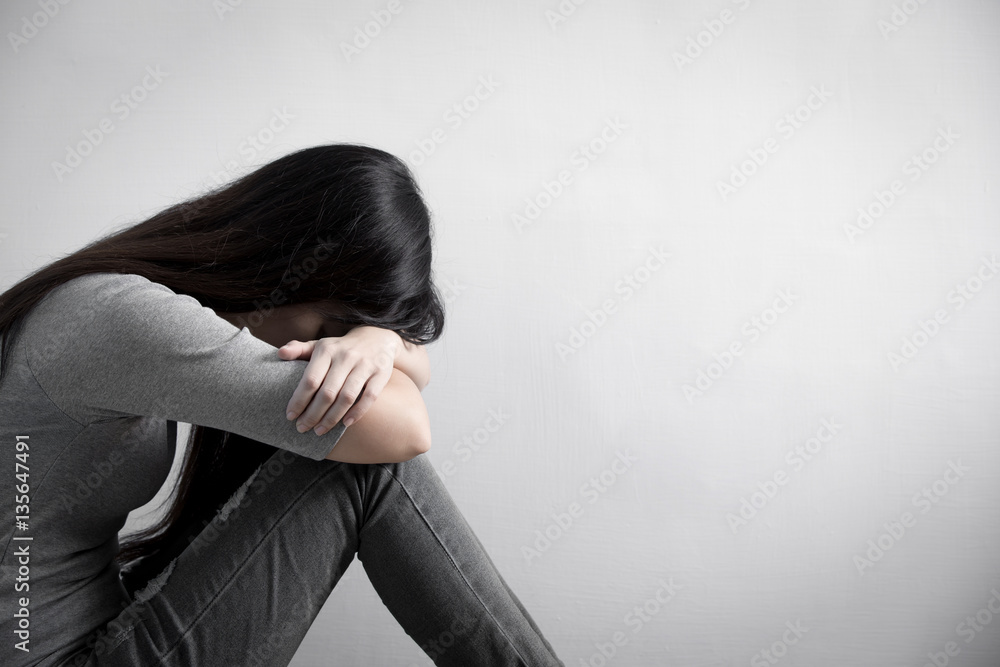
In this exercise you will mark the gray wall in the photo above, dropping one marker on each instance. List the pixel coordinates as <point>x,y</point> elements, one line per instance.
<point>769,286</point>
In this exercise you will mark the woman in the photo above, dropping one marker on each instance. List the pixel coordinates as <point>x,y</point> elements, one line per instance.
<point>324,254</point>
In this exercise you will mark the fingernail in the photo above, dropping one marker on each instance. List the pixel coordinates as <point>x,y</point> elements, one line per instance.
<point>290,415</point>
<point>302,428</point>
<point>348,421</point>
<point>320,430</point>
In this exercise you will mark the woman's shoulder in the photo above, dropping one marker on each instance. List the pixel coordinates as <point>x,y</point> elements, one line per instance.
<point>88,283</point>
<point>95,305</point>
<point>92,291</point>
<point>85,341</point>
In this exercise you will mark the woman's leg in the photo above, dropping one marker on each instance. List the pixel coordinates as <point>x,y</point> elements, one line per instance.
<point>436,578</point>
<point>246,590</point>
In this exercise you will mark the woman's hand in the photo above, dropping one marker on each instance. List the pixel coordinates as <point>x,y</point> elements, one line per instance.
<point>348,370</point>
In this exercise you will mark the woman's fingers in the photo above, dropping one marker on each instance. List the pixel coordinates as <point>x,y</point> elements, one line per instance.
<point>376,383</point>
<point>342,379</point>
<point>296,349</point>
<point>318,389</point>
<point>332,382</point>
<point>311,379</point>
<point>330,411</point>
<point>326,399</point>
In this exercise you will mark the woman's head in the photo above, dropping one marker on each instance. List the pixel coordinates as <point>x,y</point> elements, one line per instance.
<point>338,225</point>
<point>342,227</point>
<point>339,230</point>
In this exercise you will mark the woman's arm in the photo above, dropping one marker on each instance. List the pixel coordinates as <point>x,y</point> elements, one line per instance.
<point>410,358</point>
<point>370,358</point>
<point>347,373</point>
<point>413,360</point>
<point>395,428</point>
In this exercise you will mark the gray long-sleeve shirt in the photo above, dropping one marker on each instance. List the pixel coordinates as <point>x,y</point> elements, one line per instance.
<point>102,365</point>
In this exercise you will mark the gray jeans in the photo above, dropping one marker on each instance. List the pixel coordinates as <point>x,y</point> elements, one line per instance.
<point>246,589</point>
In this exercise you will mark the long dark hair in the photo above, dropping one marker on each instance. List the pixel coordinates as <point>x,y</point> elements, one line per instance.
<point>248,246</point>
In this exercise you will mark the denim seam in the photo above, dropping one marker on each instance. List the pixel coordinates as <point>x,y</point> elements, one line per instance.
<point>453,563</point>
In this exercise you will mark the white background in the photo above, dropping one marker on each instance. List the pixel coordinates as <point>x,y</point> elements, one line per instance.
<point>683,116</point>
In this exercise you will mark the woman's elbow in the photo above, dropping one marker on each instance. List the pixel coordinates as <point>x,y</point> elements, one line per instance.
<point>416,425</point>
<point>396,428</point>
<point>420,435</point>
<point>423,444</point>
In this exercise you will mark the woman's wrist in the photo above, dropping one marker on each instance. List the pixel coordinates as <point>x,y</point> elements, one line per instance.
<point>408,358</point>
